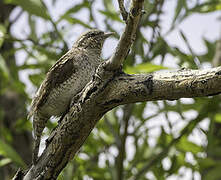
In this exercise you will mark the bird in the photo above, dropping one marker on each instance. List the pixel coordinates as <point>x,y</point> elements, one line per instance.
<point>66,78</point>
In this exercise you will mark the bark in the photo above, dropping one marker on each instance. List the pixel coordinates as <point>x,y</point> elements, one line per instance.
<point>128,36</point>
<point>116,88</point>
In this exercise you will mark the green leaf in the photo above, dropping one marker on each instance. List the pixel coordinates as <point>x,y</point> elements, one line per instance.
<point>5,161</point>
<point>206,163</point>
<point>215,149</point>
<point>177,162</point>
<point>36,79</point>
<point>74,10</point>
<point>3,67</point>
<point>34,7</point>
<point>22,124</point>
<point>139,110</point>
<point>108,4</point>
<point>32,25</point>
<point>111,15</point>
<point>150,23</point>
<point>180,5</point>
<point>218,117</point>
<point>73,20</point>
<point>214,174</point>
<point>184,58</point>
<point>187,146</point>
<point>111,115</point>
<point>2,34</point>
<point>211,6</point>
<point>144,68</point>
<point>149,7</point>
<point>164,139</point>
<point>160,47</point>
<point>32,66</point>
<point>209,54</point>
<point>7,151</point>
<point>5,132</point>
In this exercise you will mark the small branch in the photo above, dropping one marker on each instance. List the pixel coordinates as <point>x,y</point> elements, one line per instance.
<point>123,10</point>
<point>17,17</point>
<point>158,5</point>
<point>56,29</point>
<point>121,156</point>
<point>92,16</point>
<point>34,42</point>
<point>217,57</point>
<point>128,36</point>
<point>60,35</point>
<point>195,59</point>
<point>113,131</point>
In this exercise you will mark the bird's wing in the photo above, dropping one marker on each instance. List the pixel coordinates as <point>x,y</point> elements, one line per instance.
<point>57,74</point>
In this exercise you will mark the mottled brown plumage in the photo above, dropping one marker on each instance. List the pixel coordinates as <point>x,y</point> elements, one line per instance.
<point>64,80</point>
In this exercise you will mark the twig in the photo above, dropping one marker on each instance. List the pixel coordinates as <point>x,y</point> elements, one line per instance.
<point>17,17</point>
<point>93,17</point>
<point>155,28</point>
<point>120,158</point>
<point>36,43</point>
<point>56,29</point>
<point>110,126</point>
<point>128,36</point>
<point>217,57</point>
<point>123,10</point>
<point>60,35</point>
<point>196,60</point>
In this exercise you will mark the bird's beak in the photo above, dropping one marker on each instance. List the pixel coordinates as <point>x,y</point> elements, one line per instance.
<point>106,35</point>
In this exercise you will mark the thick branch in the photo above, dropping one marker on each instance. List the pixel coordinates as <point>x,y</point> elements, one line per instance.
<point>164,86</point>
<point>128,36</point>
<point>115,88</point>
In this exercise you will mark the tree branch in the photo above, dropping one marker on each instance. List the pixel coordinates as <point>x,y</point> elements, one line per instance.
<point>128,36</point>
<point>116,88</point>
<point>128,109</point>
<point>123,10</point>
<point>217,57</point>
<point>183,83</point>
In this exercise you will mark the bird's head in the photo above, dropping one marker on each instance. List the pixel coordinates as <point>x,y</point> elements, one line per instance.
<point>92,40</point>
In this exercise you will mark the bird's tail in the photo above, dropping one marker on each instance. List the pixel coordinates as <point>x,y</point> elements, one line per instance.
<point>36,150</point>
<point>38,127</point>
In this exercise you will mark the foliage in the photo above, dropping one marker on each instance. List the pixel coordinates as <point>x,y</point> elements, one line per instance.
<point>121,146</point>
